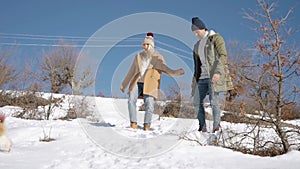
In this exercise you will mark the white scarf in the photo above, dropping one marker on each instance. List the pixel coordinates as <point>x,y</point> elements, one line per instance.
<point>146,59</point>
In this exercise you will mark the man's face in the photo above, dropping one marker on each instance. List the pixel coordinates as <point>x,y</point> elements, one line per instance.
<point>199,33</point>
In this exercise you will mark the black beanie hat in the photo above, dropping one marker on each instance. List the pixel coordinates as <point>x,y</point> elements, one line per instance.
<point>197,24</point>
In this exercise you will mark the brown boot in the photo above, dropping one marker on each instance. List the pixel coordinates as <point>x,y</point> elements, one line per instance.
<point>146,127</point>
<point>133,125</point>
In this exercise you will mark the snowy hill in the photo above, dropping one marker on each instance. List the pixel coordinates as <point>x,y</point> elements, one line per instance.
<point>108,142</point>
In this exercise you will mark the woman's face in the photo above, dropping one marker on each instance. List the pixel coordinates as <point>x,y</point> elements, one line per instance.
<point>146,46</point>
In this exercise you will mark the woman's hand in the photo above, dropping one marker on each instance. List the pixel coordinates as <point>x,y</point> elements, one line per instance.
<point>180,71</point>
<point>122,89</point>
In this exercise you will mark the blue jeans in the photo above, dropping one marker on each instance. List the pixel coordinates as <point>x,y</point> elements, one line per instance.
<point>204,88</point>
<point>148,102</point>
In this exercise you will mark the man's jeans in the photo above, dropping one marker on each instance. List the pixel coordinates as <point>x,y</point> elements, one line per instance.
<point>148,102</point>
<point>204,88</point>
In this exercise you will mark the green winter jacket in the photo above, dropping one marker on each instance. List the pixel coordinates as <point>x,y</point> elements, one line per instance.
<point>215,53</point>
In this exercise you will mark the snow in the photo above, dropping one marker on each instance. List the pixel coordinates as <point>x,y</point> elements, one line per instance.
<point>109,143</point>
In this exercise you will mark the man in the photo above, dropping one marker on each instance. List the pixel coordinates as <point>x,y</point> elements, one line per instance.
<point>144,77</point>
<point>209,72</point>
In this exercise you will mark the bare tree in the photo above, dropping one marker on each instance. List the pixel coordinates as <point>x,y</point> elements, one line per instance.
<point>81,80</point>
<point>58,68</point>
<point>8,72</point>
<point>269,77</point>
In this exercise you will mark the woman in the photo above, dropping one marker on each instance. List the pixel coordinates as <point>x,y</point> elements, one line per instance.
<point>143,78</point>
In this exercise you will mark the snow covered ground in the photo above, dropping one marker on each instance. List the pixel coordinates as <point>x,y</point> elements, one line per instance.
<point>110,143</point>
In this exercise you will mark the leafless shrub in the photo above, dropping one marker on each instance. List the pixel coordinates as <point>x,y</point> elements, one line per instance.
<point>255,139</point>
<point>291,112</point>
<point>80,107</point>
<point>178,110</point>
<point>47,136</point>
<point>23,99</point>
<point>34,105</point>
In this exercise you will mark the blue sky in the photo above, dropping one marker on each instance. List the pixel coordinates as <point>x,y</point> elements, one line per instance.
<point>86,18</point>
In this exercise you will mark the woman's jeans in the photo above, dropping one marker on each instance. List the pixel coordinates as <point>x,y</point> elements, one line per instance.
<point>148,102</point>
<point>204,88</point>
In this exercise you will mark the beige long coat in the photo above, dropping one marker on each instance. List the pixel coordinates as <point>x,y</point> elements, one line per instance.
<point>152,75</point>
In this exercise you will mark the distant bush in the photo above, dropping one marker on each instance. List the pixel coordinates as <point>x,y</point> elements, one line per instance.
<point>22,99</point>
<point>291,112</point>
<point>175,109</point>
<point>79,107</point>
<point>180,110</point>
<point>37,107</point>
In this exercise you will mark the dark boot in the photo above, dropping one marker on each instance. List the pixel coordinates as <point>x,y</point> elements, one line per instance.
<point>202,129</point>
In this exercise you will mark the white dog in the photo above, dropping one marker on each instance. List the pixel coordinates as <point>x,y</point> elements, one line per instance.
<point>5,142</point>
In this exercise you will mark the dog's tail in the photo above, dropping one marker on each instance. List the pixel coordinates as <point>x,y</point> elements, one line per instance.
<point>2,118</point>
